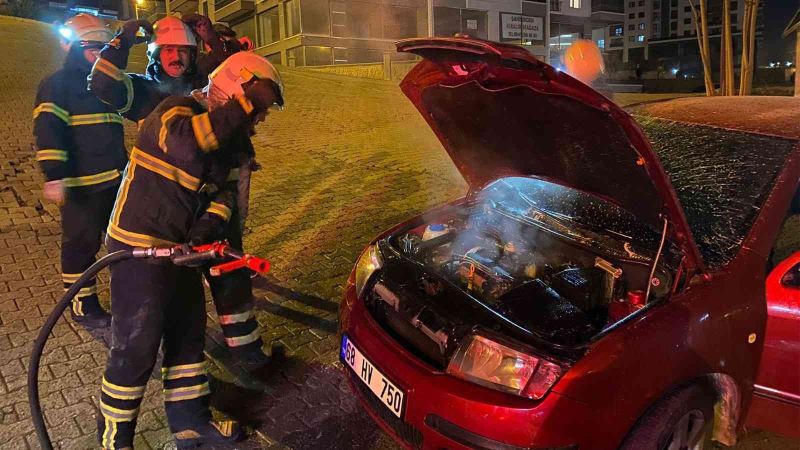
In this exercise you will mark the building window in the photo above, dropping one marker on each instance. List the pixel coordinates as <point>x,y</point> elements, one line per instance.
<point>316,17</point>
<point>687,32</point>
<point>674,3</point>
<point>575,4</point>
<point>631,4</point>
<point>292,16</point>
<point>399,22</point>
<point>673,14</point>
<point>450,21</point>
<point>687,20</point>
<point>616,30</point>
<point>318,56</point>
<point>673,26</point>
<point>687,9</point>
<point>601,43</point>
<point>630,16</point>
<point>269,28</point>
<point>632,26</point>
<point>641,15</point>
<point>641,2</point>
<point>641,26</point>
<point>631,38</point>
<point>656,5</point>
<point>640,38</point>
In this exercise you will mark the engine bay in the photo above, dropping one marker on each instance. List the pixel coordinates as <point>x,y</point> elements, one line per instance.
<point>561,283</point>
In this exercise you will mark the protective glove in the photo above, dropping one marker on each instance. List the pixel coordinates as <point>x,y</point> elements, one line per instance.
<point>263,94</point>
<point>201,25</point>
<point>55,191</point>
<point>127,34</point>
<point>208,228</point>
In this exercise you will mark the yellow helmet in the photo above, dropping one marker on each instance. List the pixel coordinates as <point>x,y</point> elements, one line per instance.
<point>84,28</point>
<point>171,31</point>
<point>240,68</point>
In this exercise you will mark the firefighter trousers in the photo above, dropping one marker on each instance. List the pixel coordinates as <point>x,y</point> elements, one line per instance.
<point>152,300</point>
<point>84,217</point>
<point>233,298</point>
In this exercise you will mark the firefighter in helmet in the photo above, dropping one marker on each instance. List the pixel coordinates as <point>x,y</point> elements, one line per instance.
<point>186,143</point>
<point>80,149</point>
<point>173,70</point>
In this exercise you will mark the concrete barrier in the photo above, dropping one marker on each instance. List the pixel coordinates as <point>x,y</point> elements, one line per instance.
<point>391,70</point>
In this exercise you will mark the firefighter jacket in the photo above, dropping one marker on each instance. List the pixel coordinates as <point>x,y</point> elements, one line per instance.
<point>179,149</point>
<point>79,139</point>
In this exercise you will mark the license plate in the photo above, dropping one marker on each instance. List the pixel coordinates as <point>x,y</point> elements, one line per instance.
<point>387,392</point>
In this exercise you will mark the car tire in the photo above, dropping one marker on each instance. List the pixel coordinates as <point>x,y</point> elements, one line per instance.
<point>680,421</point>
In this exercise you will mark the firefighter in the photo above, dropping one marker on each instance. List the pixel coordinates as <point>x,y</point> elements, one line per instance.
<point>178,150</point>
<point>172,70</point>
<point>80,149</point>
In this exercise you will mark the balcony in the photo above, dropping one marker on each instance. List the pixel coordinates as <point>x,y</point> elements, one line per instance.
<point>231,10</point>
<point>182,6</point>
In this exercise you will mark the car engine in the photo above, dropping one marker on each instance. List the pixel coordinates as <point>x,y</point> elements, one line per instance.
<point>537,273</point>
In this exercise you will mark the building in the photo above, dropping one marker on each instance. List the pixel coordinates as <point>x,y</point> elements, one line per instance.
<point>521,22</point>
<point>608,29</point>
<point>664,31</point>
<point>324,32</point>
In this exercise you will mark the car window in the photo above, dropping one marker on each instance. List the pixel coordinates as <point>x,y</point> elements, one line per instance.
<point>722,178</point>
<point>788,240</point>
<point>792,277</point>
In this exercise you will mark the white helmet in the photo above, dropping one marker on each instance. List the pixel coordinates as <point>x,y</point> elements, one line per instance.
<point>84,28</point>
<point>240,68</point>
<point>171,31</point>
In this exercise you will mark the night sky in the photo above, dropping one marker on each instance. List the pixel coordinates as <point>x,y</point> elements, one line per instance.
<point>777,14</point>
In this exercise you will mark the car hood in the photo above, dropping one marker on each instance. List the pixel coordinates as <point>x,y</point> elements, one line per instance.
<point>499,111</point>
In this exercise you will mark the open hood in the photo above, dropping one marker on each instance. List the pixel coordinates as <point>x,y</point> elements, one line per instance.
<point>500,112</point>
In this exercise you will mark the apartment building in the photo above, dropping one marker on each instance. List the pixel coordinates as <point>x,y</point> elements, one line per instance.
<point>665,29</point>
<point>324,32</point>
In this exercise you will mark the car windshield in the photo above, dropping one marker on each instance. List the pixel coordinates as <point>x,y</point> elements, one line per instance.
<point>579,215</point>
<point>722,178</point>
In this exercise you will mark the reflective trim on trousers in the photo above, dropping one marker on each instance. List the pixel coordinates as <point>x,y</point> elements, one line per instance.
<point>186,393</point>
<point>239,341</point>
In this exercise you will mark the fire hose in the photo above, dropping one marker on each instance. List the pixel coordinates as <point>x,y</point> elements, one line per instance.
<point>182,255</point>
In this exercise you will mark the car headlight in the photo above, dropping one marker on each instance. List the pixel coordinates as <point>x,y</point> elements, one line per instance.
<point>498,366</point>
<point>369,262</point>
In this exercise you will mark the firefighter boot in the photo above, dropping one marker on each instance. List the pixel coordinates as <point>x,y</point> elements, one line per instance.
<point>251,356</point>
<point>87,312</point>
<point>213,432</point>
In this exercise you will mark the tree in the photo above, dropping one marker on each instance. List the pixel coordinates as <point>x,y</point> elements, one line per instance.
<point>701,29</point>
<point>726,52</point>
<point>748,46</point>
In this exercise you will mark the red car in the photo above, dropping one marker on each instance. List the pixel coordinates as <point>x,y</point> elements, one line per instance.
<point>600,286</point>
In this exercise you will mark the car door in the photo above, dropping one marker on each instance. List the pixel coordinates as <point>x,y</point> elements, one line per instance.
<point>776,400</point>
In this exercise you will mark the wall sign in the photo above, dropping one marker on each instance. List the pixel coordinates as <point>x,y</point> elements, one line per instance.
<point>521,28</point>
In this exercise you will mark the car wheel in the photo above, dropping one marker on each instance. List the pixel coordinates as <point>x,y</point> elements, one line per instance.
<point>680,421</point>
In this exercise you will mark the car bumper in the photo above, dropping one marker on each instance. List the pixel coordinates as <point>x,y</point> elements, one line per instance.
<point>445,412</point>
